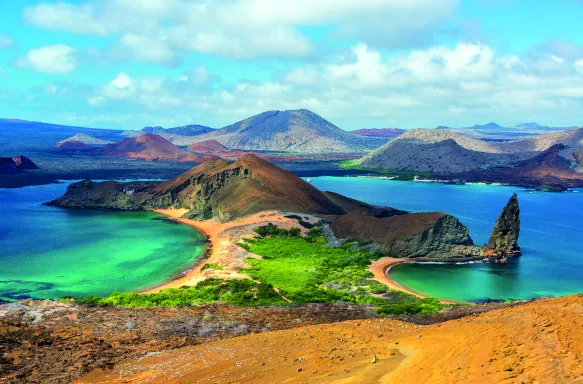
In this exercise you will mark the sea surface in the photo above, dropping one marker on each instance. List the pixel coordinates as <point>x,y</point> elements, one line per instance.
<point>551,237</point>
<point>48,252</point>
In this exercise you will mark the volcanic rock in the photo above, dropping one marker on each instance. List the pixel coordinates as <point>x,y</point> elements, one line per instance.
<point>504,238</point>
<point>10,165</point>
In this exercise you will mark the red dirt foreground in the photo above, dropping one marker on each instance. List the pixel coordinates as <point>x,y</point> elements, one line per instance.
<point>538,342</point>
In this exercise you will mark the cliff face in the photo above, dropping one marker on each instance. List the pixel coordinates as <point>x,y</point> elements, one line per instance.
<point>428,235</point>
<point>504,238</point>
<point>224,191</point>
<point>108,195</point>
<point>215,189</point>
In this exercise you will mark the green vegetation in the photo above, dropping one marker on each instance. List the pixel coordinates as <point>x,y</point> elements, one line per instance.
<point>397,174</point>
<point>245,293</point>
<point>293,270</point>
<point>551,188</point>
<point>306,270</point>
<point>211,266</point>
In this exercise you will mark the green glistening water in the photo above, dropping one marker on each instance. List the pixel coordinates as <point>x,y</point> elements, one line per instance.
<point>50,252</point>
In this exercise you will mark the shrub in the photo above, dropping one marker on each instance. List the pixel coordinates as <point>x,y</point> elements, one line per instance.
<point>211,266</point>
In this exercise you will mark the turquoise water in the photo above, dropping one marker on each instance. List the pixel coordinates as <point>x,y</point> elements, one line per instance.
<point>551,237</point>
<point>50,252</point>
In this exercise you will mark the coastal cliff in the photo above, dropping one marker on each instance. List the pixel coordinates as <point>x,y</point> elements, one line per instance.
<point>225,191</point>
<point>416,235</point>
<point>107,195</point>
<point>504,238</point>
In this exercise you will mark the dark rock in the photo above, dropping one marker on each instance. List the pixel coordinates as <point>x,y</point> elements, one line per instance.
<point>24,163</point>
<point>11,165</point>
<point>504,238</point>
<point>431,235</point>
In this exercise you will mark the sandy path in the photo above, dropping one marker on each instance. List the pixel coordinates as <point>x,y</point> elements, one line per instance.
<point>223,249</point>
<point>535,342</point>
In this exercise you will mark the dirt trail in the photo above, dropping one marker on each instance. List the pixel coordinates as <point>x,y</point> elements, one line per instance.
<point>536,342</point>
<point>223,249</point>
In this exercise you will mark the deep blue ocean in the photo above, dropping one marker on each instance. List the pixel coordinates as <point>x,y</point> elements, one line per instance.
<point>551,237</point>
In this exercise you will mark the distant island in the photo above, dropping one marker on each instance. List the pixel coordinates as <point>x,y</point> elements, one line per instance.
<point>549,161</point>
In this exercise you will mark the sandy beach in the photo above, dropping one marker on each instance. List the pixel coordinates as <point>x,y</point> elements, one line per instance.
<point>222,248</point>
<point>224,251</point>
<point>380,269</point>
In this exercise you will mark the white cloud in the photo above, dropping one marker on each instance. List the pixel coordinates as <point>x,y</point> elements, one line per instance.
<point>121,87</point>
<point>158,30</point>
<point>55,59</point>
<point>361,87</point>
<point>143,48</point>
<point>6,42</point>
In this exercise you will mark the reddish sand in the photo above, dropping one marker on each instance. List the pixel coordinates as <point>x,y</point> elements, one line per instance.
<point>146,147</point>
<point>223,249</point>
<point>538,342</point>
<point>380,269</point>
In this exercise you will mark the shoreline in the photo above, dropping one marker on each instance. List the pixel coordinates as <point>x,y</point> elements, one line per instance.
<point>221,249</point>
<point>381,270</point>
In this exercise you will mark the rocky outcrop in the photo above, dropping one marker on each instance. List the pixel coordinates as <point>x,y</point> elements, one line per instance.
<point>10,165</point>
<point>108,195</point>
<point>504,238</point>
<point>215,189</point>
<point>224,191</point>
<point>414,235</point>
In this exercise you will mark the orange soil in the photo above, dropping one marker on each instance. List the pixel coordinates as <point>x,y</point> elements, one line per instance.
<point>537,342</point>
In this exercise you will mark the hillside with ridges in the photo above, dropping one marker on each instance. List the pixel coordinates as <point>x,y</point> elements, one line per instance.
<point>443,151</point>
<point>298,131</point>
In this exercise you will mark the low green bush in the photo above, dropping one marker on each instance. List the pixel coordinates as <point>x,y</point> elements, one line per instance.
<point>300,269</point>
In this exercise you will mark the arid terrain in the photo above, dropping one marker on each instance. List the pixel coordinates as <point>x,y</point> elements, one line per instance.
<point>537,342</point>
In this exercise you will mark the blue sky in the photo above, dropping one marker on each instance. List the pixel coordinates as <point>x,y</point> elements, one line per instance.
<point>359,63</point>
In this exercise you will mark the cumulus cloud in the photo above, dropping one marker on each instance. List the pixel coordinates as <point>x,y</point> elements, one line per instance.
<point>158,30</point>
<point>57,59</point>
<point>5,42</point>
<point>457,86</point>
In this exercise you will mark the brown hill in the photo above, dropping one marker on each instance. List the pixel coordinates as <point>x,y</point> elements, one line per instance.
<point>549,158</point>
<point>215,188</point>
<point>224,191</point>
<point>547,168</point>
<point>209,146</point>
<point>10,165</point>
<point>536,342</point>
<point>146,147</point>
<point>249,185</point>
<point>410,235</point>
